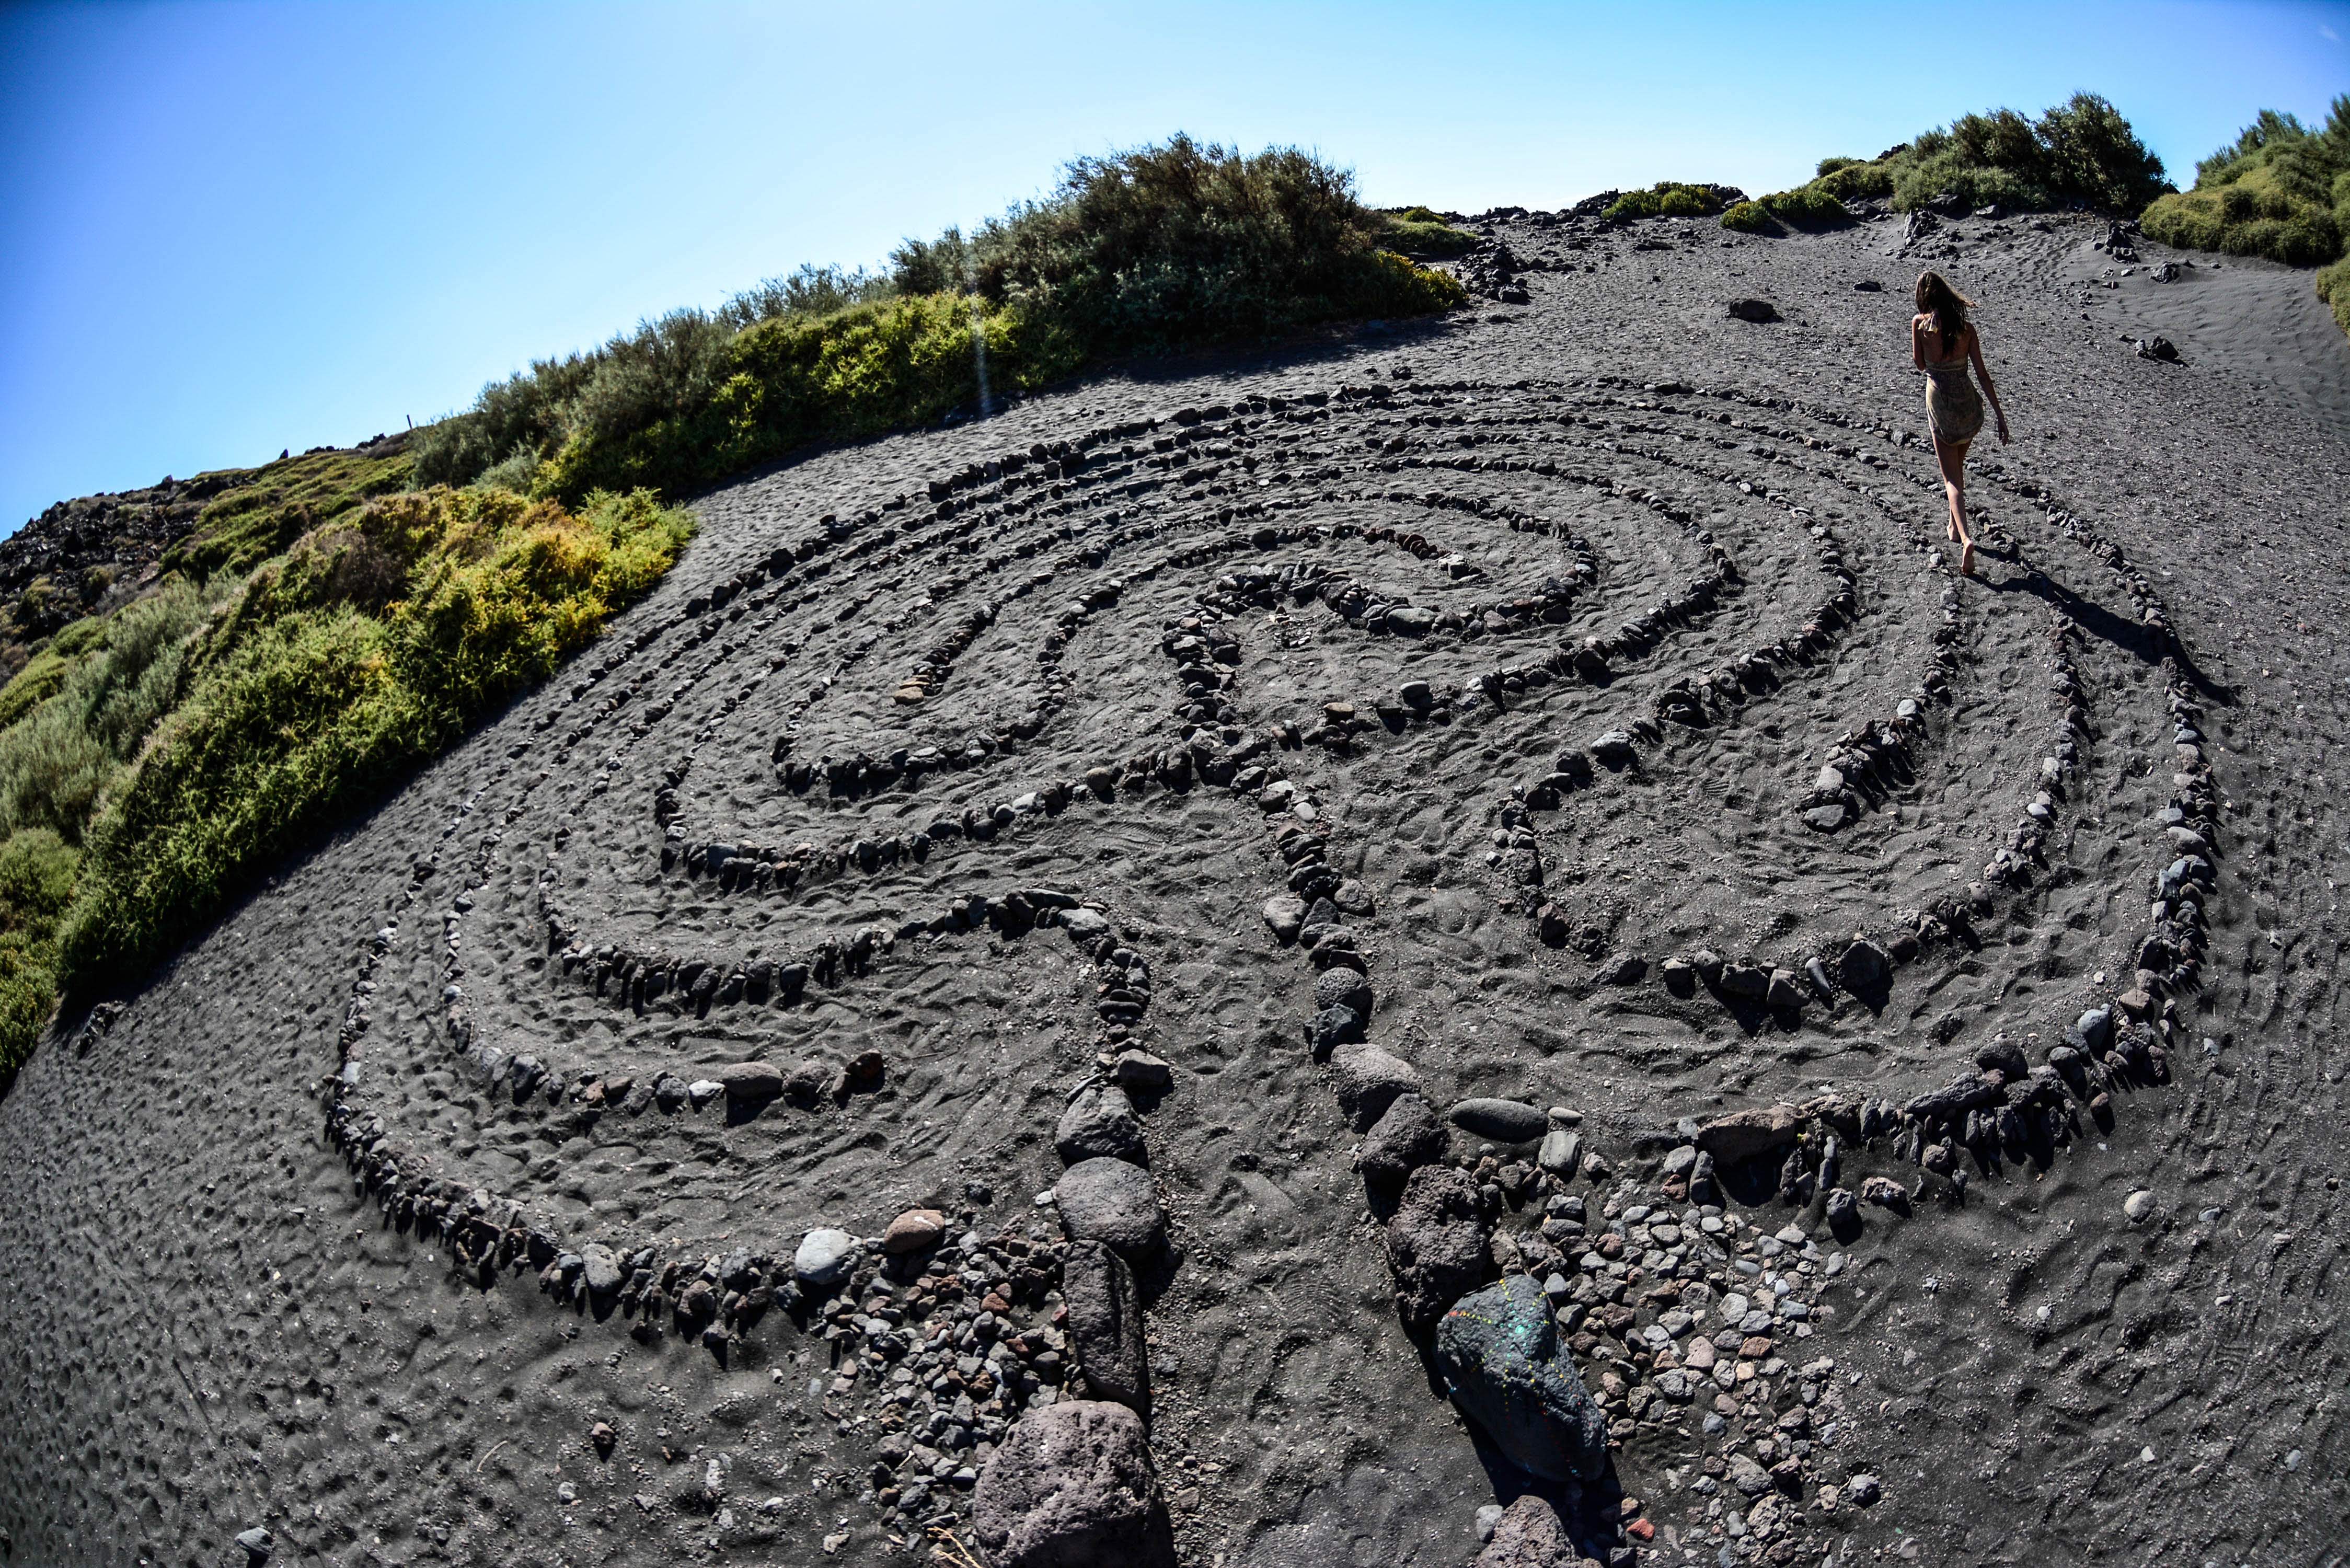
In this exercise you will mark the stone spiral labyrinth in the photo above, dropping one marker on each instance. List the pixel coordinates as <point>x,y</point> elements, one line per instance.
<point>869,968</point>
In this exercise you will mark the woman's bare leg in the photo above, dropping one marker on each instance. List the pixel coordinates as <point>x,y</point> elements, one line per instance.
<point>1952,457</point>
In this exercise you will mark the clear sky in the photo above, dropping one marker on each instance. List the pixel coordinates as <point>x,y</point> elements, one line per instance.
<point>230,228</point>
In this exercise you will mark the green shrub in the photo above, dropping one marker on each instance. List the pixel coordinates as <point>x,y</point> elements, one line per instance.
<point>34,684</point>
<point>790,382</point>
<point>36,882</point>
<point>303,706</point>
<point>265,509</point>
<point>1191,242</point>
<point>810,291</point>
<point>1668,199</point>
<point>1417,231</point>
<point>1851,180</point>
<point>58,760</point>
<point>1142,252</point>
<point>1807,205</point>
<point>1634,205</point>
<point>51,771</point>
<point>2334,288</point>
<point>2281,191</point>
<point>2082,152</point>
<point>1827,166</point>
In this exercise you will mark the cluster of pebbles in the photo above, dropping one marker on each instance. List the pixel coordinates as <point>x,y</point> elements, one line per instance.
<point>1678,1312</point>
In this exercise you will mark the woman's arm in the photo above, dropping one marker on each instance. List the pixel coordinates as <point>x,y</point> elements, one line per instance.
<point>1975,349</point>
<point>1917,341</point>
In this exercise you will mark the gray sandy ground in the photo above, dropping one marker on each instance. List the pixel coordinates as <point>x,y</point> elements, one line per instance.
<point>208,1329</point>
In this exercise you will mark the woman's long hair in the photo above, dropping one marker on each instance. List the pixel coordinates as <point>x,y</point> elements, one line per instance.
<point>1946,305</point>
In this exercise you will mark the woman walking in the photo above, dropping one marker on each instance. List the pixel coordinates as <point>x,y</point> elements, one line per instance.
<point>1943,342</point>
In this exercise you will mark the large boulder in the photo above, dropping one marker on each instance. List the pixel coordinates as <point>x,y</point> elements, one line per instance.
<point>1069,1487</point>
<point>1406,1136</point>
<point>1436,1244</point>
<point>1110,1201</point>
<point>1501,1361</point>
<point>1105,1324</point>
<point>1529,1536</point>
<point>1099,1122</point>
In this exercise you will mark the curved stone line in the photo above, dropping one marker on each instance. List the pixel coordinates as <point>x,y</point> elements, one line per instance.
<point>1290,830</point>
<point>1587,660</point>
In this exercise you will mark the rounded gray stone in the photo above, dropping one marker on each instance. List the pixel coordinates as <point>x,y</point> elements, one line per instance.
<point>1502,1121</point>
<point>1098,1124</point>
<point>1108,1200</point>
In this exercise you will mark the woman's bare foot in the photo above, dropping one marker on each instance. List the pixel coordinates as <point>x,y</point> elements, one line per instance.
<point>1967,561</point>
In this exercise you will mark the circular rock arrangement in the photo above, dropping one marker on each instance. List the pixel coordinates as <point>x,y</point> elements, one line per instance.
<point>896,744</point>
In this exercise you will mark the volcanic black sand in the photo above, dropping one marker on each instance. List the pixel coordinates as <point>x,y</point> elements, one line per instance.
<point>222,1307</point>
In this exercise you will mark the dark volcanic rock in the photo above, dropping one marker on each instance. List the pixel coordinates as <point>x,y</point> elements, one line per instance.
<point>1107,1200</point>
<point>1104,1325</point>
<point>1368,1080</point>
<point>1504,1121</point>
<point>1406,1138</point>
<point>1744,1134</point>
<point>1500,1353</point>
<point>1070,1487</point>
<point>1343,987</point>
<point>1529,1536</point>
<point>1101,1122</point>
<point>1863,966</point>
<point>1436,1244</point>
<point>1969,1093</point>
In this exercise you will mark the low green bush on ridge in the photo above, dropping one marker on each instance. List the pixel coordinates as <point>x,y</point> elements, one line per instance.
<point>1669,198</point>
<point>2333,288</point>
<point>2280,191</point>
<point>271,506</point>
<point>1165,248</point>
<point>2081,153</point>
<point>1417,231</point>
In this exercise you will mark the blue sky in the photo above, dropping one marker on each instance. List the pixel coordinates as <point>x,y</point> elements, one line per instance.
<point>228,228</point>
